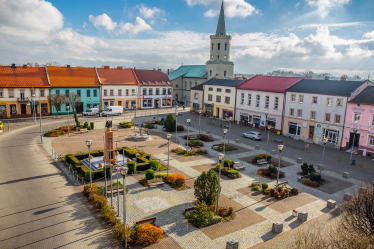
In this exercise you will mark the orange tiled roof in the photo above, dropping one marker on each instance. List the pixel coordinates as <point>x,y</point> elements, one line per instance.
<point>73,77</point>
<point>114,76</point>
<point>23,77</point>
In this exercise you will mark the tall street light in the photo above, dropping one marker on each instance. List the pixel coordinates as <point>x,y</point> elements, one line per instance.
<point>89,143</point>
<point>188,130</point>
<point>168,136</point>
<point>67,108</point>
<point>199,121</point>
<point>176,124</point>
<point>228,141</point>
<point>123,173</point>
<point>224,136</point>
<point>353,142</point>
<point>40,120</point>
<point>220,157</point>
<point>280,148</point>
<point>323,154</point>
<point>33,104</point>
<point>134,115</point>
<point>267,142</point>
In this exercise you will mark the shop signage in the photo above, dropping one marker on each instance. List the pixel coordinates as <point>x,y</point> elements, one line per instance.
<point>319,127</point>
<point>305,124</point>
<point>255,116</point>
<point>243,114</point>
<point>196,101</point>
<point>318,130</point>
<point>272,119</point>
<point>3,103</point>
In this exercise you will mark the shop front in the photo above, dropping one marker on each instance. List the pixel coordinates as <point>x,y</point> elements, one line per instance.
<point>3,111</point>
<point>195,105</point>
<point>227,113</point>
<point>256,121</point>
<point>209,110</point>
<point>332,133</point>
<point>294,128</point>
<point>243,118</point>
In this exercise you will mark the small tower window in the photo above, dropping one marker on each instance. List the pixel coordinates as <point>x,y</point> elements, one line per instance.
<point>210,72</point>
<point>218,57</point>
<point>225,46</point>
<point>219,46</point>
<point>212,46</point>
<point>224,73</point>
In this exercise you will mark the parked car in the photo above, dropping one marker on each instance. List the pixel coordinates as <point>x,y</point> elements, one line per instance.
<point>113,110</point>
<point>254,135</point>
<point>91,112</point>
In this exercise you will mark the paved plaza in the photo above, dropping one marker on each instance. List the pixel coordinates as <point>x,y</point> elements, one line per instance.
<point>255,212</point>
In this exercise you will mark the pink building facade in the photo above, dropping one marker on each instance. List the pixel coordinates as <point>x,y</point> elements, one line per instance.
<point>360,117</point>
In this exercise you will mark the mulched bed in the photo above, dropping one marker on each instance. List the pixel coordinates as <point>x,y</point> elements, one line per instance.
<point>239,150</point>
<point>167,242</point>
<point>273,161</point>
<point>180,158</point>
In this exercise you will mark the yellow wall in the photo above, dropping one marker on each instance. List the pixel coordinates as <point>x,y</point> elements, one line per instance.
<point>220,114</point>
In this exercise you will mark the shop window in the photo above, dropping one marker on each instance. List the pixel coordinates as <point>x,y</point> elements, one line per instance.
<point>111,103</point>
<point>357,118</point>
<point>267,98</point>
<point>242,99</point>
<point>327,117</point>
<point>292,112</point>
<point>299,113</point>
<point>105,92</point>
<point>44,107</point>
<point>339,102</point>
<point>227,100</point>
<point>337,119</point>
<point>315,100</point>
<point>3,110</point>
<point>294,128</point>
<point>228,90</point>
<point>13,109</point>
<point>210,97</point>
<point>218,98</point>
<point>329,102</point>
<point>119,92</point>
<point>293,97</point>
<point>371,140</point>
<point>219,89</point>
<point>249,99</point>
<point>95,93</point>
<point>276,103</point>
<point>105,104</point>
<point>312,115</point>
<point>257,100</point>
<point>301,99</point>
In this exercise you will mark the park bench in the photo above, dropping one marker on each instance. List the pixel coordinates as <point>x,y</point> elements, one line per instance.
<point>83,130</point>
<point>155,182</point>
<point>192,137</point>
<point>282,183</point>
<point>135,123</point>
<point>188,209</point>
<point>302,177</point>
<point>261,162</point>
<point>114,189</point>
<point>278,141</point>
<point>216,145</point>
<point>238,165</point>
<point>152,220</point>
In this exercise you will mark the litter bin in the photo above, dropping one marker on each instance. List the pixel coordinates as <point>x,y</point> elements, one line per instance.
<point>220,125</point>
<point>353,162</point>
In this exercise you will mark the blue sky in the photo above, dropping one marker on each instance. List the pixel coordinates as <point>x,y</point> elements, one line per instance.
<point>335,36</point>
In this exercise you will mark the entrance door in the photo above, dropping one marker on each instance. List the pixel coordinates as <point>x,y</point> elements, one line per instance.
<point>332,136</point>
<point>80,107</point>
<point>311,132</point>
<point>23,108</point>
<point>217,112</point>
<point>357,139</point>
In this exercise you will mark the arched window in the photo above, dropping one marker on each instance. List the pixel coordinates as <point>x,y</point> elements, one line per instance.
<point>224,73</point>
<point>210,72</point>
<point>219,46</point>
<point>212,46</point>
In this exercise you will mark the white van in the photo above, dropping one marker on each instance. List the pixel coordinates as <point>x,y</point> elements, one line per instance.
<point>91,112</point>
<point>113,110</point>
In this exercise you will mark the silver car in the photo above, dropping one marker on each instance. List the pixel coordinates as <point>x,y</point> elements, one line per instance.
<point>254,135</point>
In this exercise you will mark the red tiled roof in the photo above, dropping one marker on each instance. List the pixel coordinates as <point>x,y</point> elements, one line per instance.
<point>269,83</point>
<point>73,77</point>
<point>23,77</point>
<point>116,76</point>
<point>152,76</point>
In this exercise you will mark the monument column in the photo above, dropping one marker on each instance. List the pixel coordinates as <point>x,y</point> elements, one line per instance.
<point>109,145</point>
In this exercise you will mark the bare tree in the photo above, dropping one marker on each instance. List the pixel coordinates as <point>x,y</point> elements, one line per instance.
<point>57,100</point>
<point>73,99</point>
<point>53,63</point>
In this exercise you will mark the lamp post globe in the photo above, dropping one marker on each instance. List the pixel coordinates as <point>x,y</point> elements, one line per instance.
<point>89,143</point>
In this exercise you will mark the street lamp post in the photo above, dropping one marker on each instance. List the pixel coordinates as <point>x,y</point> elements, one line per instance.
<point>67,108</point>
<point>188,130</point>
<point>224,136</point>
<point>220,157</point>
<point>176,124</point>
<point>91,103</point>
<point>267,142</point>
<point>353,142</point>
<point>199,121</point>
<point>323,154</point>
<point>33,104</point>
<point>228,140</point>
<point>89,143</point>
<point>40,120</point>
<point>280,148</point>
<point>123,173</point>
<point>105,177</point>
<point>168,136</point>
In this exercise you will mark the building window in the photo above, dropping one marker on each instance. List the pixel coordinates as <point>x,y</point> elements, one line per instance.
<point>57,92</point>
<point>337,119</point>
<point>164,91</point>
<point>120,103</point>
<point>315,100</point>
<point>157,91</point>
<point>312,115</point>
<point>293,97</point>
<point>144,92</point>
<point>242,102</point>
<point>133,92</point>
<point>371,140</point>
<point>224,73</point>
<point>217,57</point>
<point>1,93</point>
<point>372,122</point>
<point>41,93</point>
<point>127,92</point>
<point>210,97</point>
<point>267,102</point>
<point>357,118</point>
<point>212,46</point>
<point>79,92</point>
<point>195,83</point>
<point>119,92</point>
<point>185,85</point>
<point>299,113</point>
<point>111,103</point>
<point>11,94</point>
<point>329,102</point>
<point>219,46</point>
<point>292,112</point>
<point>249,99</point>
<point>228,90</point>
<point>169,91</point>
<point>210,89</point>
<point>301,99</point>
<point>88,93</point>
<point>227,100</point>
<point>225,46</point>
<point>196,95</point>
<point>111,92</point>
<point>257,100</point>
<point>150,91</point>
<point>327,117</point>
<point>219,89</point>
<point>105,92</point>
<point>276,103</point>
<point>66,93</point>
<point>95,93</point>
<point>176,86</point>
<point>218,98</point>
<point>339,103</point>
<point>210,72</point>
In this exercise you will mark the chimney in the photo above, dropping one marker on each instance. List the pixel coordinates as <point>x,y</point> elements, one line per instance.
<point>159,69</point>
<point>119,67</point>
<point>134,68</point>
<point>154,69</point>
<point>327,77</point>
<point>24,65</point>
<point>106,67</point>
<point>67,66</point>
<point>343,78</point>
<point>168,71</point>
<point>13,65</point>
<point>308,77</point>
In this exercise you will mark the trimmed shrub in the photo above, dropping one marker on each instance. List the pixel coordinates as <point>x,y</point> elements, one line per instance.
<point>150,174</point>
<point>272,169</point>
<point>180,128</point>
<point>132,167</point>
<point>180,182</point>
<point>154,164</point>
<point>149,126</point>
<point>272,191</point>
<point>146,234</point>
<point>92,124</point>
<point>162,175</point>
<point>126,125</point>
<point>89,128</point>
<point>173,177</point>
<point>228,163</point>
<point>267,192</point>
<point>295,191</point>
<point>315,176</point>
<point>206,138</point>
<point>170,123</point>
<point>256,188</point>
<point>67,156</point>
<point>231,171</point>
<point>265,186</point>
<point>85,125</point>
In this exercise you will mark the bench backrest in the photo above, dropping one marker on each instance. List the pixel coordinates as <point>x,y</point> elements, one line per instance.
<point>261,160</point>
<point>155,180</point>
<point>283,183</point>
<point>146,220</point>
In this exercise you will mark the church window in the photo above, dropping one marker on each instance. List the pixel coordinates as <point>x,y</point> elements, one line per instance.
<point>219,46</point>
<point>212,46</point>
<point>225,46</point>
<point>218,57</point>
<point>210,72</point>
<point>224,73</point>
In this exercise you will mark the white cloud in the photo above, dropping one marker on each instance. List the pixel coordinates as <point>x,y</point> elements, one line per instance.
<point>369,35</point>
<point>335,25</point>
<point>103,21</point>
<point>325,6</point>
<point>233,8</point>
<point>84,26</point>
<point>148,13</point>
<point>31,19</point>
<point>297,5</point>
<point>134,28</point>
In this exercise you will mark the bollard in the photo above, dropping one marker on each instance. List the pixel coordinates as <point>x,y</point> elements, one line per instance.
<point>18,122</point>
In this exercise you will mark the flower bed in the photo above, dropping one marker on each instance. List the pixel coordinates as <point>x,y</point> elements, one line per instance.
<point>260,157</point>
<point>227,170</point>
<point>206,138</point>
<point>176,181</point>
<point>280,193</point>
<point>184,153</point>
<point>227,148</point>
<point>194,143</point>
<point>126,125</point>
<point>271,172</point>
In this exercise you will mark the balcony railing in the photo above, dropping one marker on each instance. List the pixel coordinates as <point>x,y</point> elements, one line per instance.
<point>23,100</point>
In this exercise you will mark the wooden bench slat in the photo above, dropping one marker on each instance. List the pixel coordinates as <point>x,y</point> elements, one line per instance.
<point>152,219</point>
<point>188,209</point>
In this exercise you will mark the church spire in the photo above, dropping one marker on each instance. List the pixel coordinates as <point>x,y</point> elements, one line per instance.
<point>221,26</point>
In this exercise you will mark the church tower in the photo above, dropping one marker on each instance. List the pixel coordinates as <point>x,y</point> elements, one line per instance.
<point>220,43</point>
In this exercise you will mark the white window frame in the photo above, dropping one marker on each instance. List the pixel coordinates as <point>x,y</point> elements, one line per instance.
<point>298,112</point>
<point>326,117</point>
<point>267,101</point>
<point>357,121</point>
<point>196,95</point>
<point>258,98</point>
<point>371,140</point>
<point>327,102</point>
<point>311,115</point>
<point>105,92</point>
<point>292,113</point>
<point>276,103</point>
<point>372,120</point>
<point>242,99</point>
<point>249,99</point>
